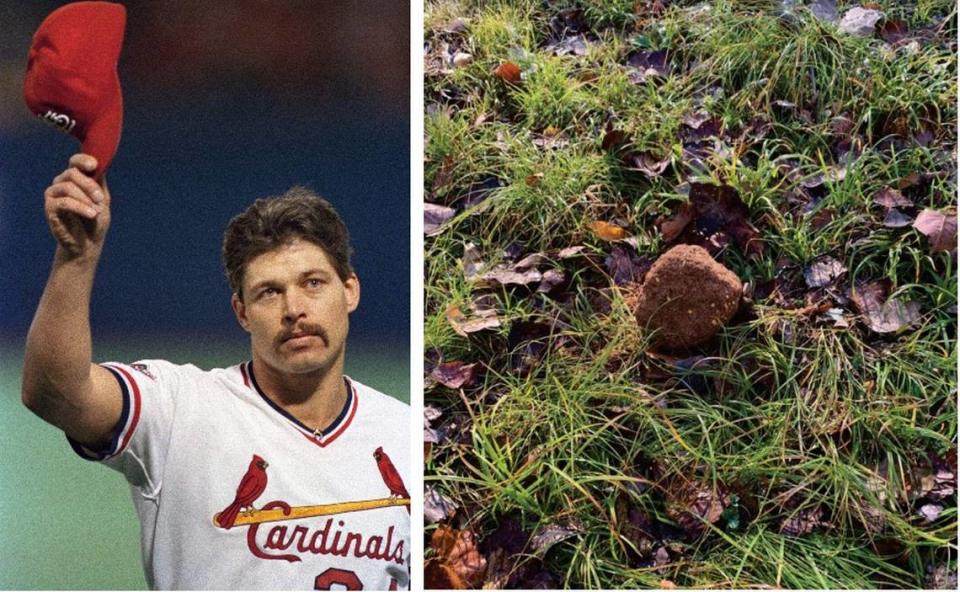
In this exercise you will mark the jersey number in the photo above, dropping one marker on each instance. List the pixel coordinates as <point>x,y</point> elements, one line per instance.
<point>341,577</point>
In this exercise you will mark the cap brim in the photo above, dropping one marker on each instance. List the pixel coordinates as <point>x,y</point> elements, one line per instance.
<point>103,136</point>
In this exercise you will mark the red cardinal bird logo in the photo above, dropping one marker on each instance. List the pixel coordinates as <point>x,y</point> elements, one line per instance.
<point>250,488</point>
<point>390,475</point>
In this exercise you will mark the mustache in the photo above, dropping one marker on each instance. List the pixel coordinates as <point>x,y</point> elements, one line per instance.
<point>308,329</point>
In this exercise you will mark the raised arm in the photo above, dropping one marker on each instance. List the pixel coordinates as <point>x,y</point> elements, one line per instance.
<point>60,382</point>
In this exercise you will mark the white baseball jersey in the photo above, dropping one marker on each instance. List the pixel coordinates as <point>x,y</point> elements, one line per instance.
<point>234,493</point>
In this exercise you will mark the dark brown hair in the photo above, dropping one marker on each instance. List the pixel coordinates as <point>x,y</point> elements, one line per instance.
<point>274,221</point>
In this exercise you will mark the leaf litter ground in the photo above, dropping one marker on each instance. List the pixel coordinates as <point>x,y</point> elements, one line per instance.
<point>807,146</point>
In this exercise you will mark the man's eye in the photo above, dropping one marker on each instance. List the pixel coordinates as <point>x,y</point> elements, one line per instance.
<point>314,282</point>
<point>268,292</point>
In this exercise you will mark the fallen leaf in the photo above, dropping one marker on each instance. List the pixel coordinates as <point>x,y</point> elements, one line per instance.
<point>650,63</point>
<point>648,164</point>
<point>509,536</point>
<point>570,252</point>
<point>575,45</point>
<point>551,279</point>
<point>825,10</point>
<point>461,59</point>
<point>881,314</point>
<point>860,21</point>
<point>893,30</point>
<point>672,228</point>
<point>455,374</point>
<point>457,563</point>
<point>939,227</point>
<point>625,266</point>
<point>472,261</point>
<point>694,504</point>
<point>719,209</point>
<point>430,435</point>
<point>431,413</point>
<point>547,536</point>
<point>667,585</point>
<point>444,175</point>
<point>436,506</point>
<point>941,577</point>
<point>508,72</point>
<point>930,512</point>
<point>464,324</point>
<point>614,139</point>
<point>897,219</point>
<point>456,26</point>
<point>889,197</point>
<point>823,272</point>
<point>607,231</point>
<point>434,217</point>
<point>802,522</point>
<point>502,276</point>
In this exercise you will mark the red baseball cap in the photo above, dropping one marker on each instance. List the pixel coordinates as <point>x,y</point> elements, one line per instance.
<point>72,79</point>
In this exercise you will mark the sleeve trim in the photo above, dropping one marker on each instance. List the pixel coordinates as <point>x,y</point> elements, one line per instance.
<point>126,425</point>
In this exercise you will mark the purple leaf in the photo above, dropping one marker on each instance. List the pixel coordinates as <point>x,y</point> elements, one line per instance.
<point>939,227</point>
<point>434,217</point>
<point>436,506</point>
<point>823,272</point>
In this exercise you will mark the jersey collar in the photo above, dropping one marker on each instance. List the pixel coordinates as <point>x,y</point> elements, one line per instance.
<point>323,437</point>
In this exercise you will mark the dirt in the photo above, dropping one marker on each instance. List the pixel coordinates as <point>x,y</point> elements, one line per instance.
<point>686,297</point>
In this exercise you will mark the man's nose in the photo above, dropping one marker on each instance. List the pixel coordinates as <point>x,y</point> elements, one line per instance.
<point>293,306</point>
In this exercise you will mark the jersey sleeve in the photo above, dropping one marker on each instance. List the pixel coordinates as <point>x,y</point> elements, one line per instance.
<point>142,435</point>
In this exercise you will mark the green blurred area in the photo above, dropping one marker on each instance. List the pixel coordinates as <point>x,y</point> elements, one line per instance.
<point>66,523</point>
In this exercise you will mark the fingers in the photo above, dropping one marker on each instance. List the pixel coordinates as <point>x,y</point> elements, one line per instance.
<point>84,183</point>
<point>75,206</point>
<point>84,162</point>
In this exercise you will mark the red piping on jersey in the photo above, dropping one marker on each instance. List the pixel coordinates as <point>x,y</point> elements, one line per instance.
<point>136,409</point>
<point>345,416</point>
<point>323,441</point>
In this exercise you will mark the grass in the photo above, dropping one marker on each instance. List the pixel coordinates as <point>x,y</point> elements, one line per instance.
<point>789,451</point>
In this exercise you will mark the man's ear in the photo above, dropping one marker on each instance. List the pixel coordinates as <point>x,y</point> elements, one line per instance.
<point>351,287</point>
<point>240,310</point>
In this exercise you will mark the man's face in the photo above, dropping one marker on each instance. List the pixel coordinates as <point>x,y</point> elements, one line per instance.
<point>295,308</point>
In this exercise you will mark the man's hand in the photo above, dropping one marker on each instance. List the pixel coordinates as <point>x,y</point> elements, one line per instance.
<point>78,208</point>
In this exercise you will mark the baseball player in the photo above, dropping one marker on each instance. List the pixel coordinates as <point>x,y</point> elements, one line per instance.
<point>277,473</point>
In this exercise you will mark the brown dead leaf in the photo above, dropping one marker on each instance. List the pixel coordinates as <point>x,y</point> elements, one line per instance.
<point>455,374</point>
<point>648,163</point>
<point>508,72</point>
<point>881,314</point>
<point>607,231</point>
<point>674,227</point>
<point>889,197</point>
<point>625,266</point>
<point>533,180</point>
<point>802,522</point>
<point>465,324</point>
<point>939,227</point>
<point>718,210</point>
<point>444,176</point>
<point>503,276</point>
<point>457,563</point>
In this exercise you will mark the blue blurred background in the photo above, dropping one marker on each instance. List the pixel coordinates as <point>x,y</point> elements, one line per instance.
<point>225,101</point>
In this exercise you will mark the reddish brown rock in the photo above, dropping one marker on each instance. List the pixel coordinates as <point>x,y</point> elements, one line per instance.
<point>687,297</point>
